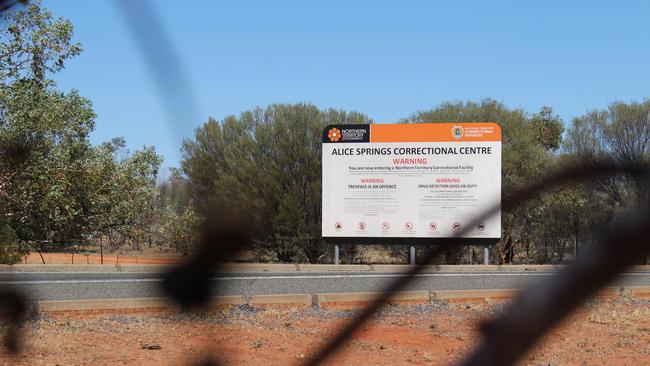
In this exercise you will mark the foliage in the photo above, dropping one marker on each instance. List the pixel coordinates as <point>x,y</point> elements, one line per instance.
<point>524,154</point>
<point>621,134</point>
<point>174,193</point>
<point>9,250</point>
<point>178,222</point>
<point>122,193</point>
<point>32,43</point>
<point>56,189</point>
<point>182,229</point>
<point>42,191</point>
<point>267,164</point>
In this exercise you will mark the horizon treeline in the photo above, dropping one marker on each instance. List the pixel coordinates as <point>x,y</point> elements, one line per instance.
<point>266,162</point>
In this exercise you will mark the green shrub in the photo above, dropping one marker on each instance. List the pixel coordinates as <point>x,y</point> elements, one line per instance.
<point>9,250</point>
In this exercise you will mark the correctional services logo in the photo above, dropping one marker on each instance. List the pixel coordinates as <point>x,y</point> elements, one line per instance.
<point>334,134</point>
<point>457,132</point>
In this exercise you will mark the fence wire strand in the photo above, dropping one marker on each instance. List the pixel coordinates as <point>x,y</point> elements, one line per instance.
<point>505,339</point>
<point>564,304</point>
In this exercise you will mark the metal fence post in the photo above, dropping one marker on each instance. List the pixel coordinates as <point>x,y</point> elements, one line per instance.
<point>336,255</point>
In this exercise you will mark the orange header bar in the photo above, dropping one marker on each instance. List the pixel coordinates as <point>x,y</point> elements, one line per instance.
<point>430,132</point>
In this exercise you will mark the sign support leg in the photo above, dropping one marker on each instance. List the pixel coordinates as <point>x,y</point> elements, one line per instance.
<point>486,256</point>
<point>336,255</point>
<point>412,256</point>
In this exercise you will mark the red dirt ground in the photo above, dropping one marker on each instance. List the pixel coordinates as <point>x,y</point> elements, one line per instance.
<point>109,259</point>
<point>604,332</point>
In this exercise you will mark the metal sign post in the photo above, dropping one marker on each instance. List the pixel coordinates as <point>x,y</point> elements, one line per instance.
<point>336,255</point>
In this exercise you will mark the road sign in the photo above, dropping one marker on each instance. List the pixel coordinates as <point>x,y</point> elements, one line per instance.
<point>415,183</point>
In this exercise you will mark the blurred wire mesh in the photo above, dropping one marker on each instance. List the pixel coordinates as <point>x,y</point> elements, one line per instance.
<point>223,234</point>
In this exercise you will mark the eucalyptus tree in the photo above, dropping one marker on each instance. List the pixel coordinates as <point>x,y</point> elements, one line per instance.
<point>56,189</point>
<point>620,133</point>
<point>527,145</point>
<point>266,162</point>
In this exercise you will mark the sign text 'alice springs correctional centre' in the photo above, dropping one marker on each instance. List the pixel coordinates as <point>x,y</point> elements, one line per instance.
<point>411,183</point>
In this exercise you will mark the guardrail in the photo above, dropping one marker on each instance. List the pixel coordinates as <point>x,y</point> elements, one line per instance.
<point>324,300</point>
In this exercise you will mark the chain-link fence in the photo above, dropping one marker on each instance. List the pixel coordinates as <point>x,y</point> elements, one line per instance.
<point>223,234</point>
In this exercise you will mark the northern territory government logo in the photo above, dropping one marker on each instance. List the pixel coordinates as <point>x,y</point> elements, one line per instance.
<point>457,132</point>
<point>346,133</point>
<point>334,134</point>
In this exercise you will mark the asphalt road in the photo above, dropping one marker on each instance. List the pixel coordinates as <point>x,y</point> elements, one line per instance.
<point>41,286</point>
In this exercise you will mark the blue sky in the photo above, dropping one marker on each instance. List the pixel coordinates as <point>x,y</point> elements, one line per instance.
<point>385,59</point>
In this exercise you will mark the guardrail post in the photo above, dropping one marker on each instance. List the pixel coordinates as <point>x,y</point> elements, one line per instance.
<point>412,256</point>
<point>336,255</point>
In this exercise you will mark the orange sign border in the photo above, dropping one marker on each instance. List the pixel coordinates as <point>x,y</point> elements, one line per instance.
<point>438,132</point>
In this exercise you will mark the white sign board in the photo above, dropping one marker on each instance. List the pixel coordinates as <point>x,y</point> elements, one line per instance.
<point>410,183</point>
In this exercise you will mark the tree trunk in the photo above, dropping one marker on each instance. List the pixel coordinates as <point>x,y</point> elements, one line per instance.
<point>38,250</point>
<point>508,254</point>
<point>453,255</point>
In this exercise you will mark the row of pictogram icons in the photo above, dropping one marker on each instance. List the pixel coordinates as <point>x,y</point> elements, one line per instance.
<point>408,226</point>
